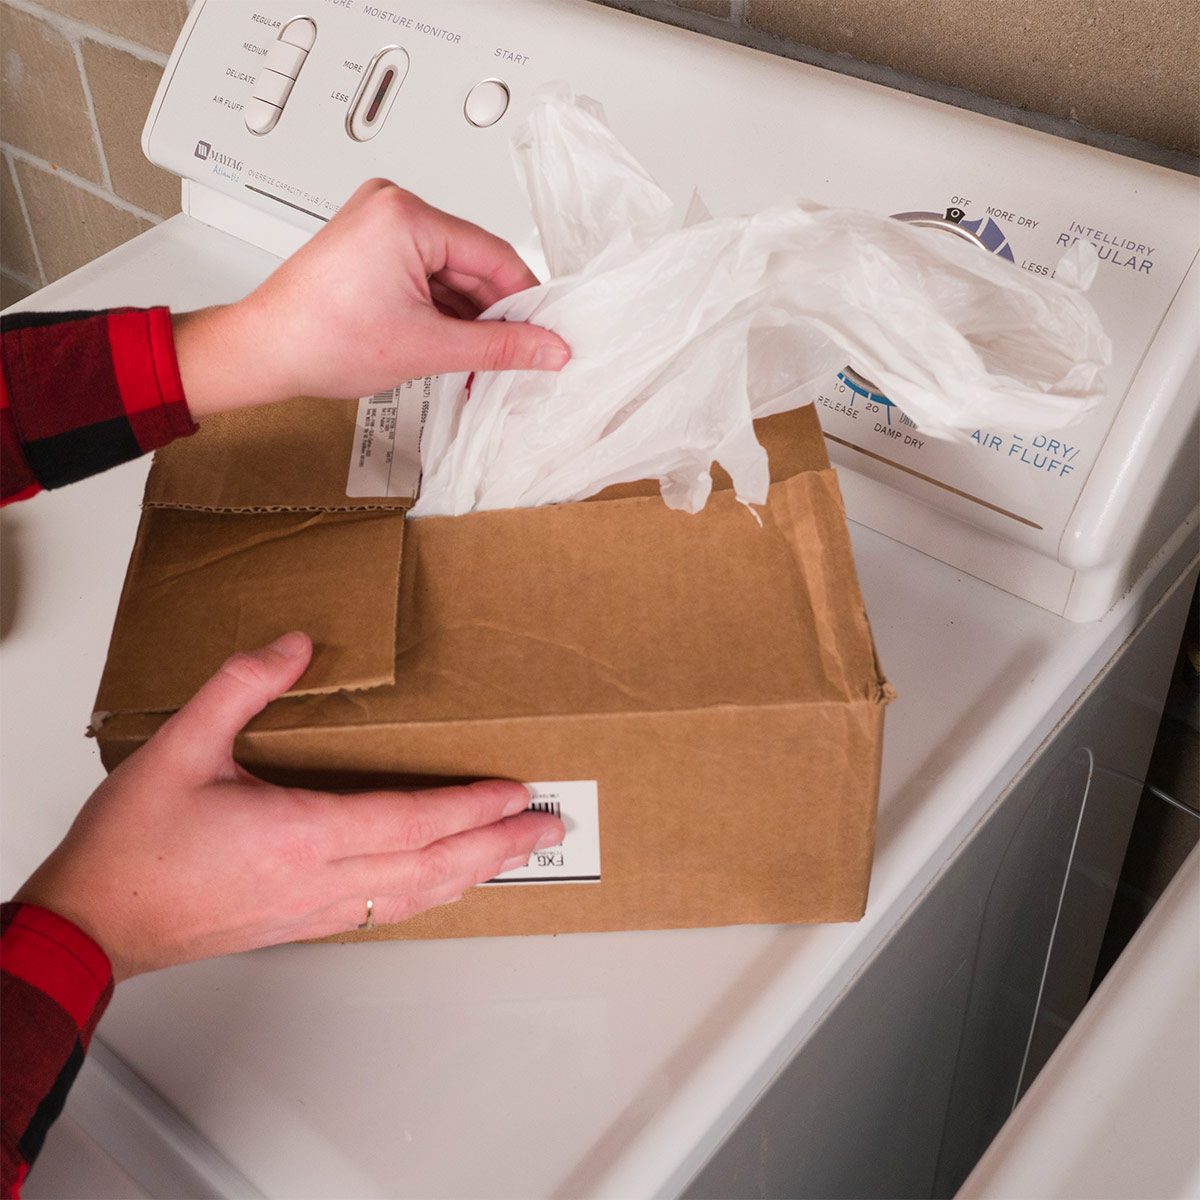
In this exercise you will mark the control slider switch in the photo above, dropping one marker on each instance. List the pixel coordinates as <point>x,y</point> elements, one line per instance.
<point>279,72</point>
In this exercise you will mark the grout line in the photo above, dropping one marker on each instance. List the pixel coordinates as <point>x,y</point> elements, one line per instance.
<point>76,31</point>
<point>84,185</point>
<point>24,280</point>
<point>737,12</point>
<point>37,256</point>
<point>90,105</point>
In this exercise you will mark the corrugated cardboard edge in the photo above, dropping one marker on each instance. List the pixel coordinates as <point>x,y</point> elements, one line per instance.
<point>401,505</point>
<point>101,718</point>
<point>835,537</point>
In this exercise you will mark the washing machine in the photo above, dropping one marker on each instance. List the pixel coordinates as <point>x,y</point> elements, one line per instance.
<point>1115,1111</point>
<point>1026,594</point>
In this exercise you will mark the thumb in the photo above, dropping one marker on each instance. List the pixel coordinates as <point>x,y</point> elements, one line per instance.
<point>460,345</point>
<point>201,733</point>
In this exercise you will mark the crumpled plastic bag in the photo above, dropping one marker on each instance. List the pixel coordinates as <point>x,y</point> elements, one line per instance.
<point>685,328</point>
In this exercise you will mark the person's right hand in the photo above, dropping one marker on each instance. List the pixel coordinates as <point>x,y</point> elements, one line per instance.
<point>181,854</point>
<point>389,290</point>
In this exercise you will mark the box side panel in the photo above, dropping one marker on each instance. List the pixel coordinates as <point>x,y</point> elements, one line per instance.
<point>118,735</point>
<point>718,817</point>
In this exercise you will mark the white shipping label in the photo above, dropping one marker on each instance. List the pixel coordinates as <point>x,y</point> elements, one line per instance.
<point>577,860</point>
<point>385,459</point>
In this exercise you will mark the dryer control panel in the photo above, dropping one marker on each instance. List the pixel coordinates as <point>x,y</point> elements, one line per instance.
<point>285,110</point>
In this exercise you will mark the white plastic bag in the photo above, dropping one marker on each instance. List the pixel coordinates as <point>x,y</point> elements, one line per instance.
<point>685,328</point>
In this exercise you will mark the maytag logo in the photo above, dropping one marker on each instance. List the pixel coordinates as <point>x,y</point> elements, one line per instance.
<point>205,151</point>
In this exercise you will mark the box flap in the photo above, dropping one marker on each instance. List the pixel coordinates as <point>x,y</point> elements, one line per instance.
<point>202,585</point>
<point>247,532</point>
<point>284,457</point>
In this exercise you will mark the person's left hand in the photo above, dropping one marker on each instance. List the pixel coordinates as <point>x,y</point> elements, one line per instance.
<point>181,854</point>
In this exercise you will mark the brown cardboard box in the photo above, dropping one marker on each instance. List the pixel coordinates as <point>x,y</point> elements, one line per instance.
<point>715,677</point>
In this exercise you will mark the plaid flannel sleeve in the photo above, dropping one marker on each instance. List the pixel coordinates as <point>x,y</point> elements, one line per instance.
<point>55,982</point>
<point>83,391</point>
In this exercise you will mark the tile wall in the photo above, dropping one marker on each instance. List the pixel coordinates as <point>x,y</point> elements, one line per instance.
<point>1128,68</point>
<point>77,77</point>
<point>76,80</point>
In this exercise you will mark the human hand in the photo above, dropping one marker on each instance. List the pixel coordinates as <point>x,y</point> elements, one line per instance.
<point>181,854</point>
<point>387,291</point>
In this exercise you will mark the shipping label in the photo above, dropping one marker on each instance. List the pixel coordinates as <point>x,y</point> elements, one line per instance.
<point>577,860</point>
<point>385,458</point>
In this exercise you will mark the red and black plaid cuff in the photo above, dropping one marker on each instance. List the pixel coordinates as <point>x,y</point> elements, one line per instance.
<point>55,982</point>
<point>84,391</point>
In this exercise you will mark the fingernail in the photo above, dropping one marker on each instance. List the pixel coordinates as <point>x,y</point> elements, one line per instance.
<point>551,357</point>
<point>521,860</point>
<point>519,802</point>
<point>549,838</point>
<point>291,645</point>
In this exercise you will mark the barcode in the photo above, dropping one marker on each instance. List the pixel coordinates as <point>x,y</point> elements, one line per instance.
<point>577,858</point>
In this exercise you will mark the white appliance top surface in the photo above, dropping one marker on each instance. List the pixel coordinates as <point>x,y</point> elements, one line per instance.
<point>602,1064</point>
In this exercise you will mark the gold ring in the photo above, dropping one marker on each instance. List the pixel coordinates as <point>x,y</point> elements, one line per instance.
<point>369,923</point>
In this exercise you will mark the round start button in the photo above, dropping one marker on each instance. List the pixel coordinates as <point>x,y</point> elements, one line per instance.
<point>486,103</point>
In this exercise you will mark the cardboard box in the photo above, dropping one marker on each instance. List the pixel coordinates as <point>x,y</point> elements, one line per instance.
<point>715,677</point>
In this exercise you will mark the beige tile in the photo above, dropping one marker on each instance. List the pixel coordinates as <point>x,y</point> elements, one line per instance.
<point>41,95</point>
<point>122,88</point>
<point>151,23</point>
<point>16,248</point>
<point>1127,68</point>
<point>12,290</point>
<point>71,226</point>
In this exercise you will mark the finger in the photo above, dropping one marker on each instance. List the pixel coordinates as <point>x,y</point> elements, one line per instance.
<point>391,910</point>
<point>200,734</point>
<point>381,822</point>
<point>483,292</point>
<point>455,863</point>
<point>451,244</point>
<point>492,346</point>
<point>453,303</point>
<point>347,915</point>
